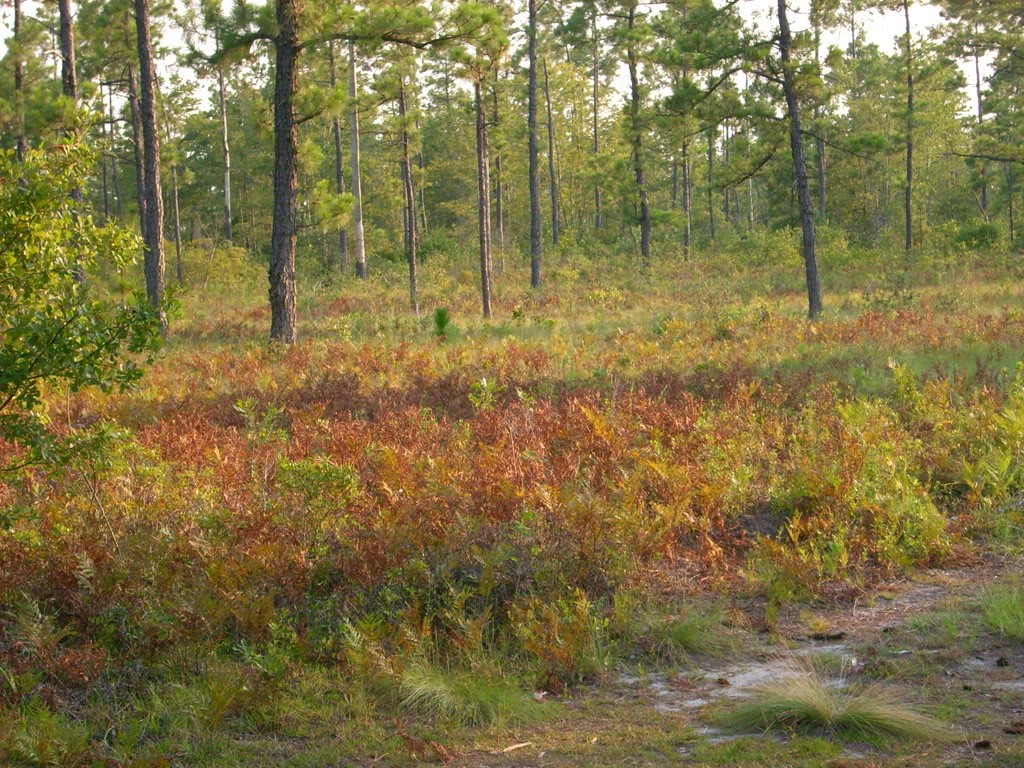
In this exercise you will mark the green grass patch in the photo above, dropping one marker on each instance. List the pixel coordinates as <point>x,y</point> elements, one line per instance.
<point>808,704</point>
<point>464,697</point>
<point>1003,609</point>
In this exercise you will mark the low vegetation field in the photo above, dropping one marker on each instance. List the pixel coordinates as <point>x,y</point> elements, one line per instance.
<point>639,518</point>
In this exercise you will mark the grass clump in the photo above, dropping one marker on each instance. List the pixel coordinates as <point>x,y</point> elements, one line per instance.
<point>1003,609</point>
<point>807,703</point>
<point>678,638</point>
<point>463,697</point>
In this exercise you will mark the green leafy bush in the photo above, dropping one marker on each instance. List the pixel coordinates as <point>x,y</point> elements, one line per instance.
<point>54,331</point>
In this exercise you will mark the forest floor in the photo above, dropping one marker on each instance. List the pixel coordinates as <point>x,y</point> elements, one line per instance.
<point>581,534</point>
<point>921,639</point>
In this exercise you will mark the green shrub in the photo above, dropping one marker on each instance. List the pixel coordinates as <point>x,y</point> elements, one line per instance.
<point>566,639</point>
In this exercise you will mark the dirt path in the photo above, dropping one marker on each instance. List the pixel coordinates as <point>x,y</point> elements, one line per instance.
<point>917,636</point>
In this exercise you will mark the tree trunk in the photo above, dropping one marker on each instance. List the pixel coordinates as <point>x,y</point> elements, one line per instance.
<point>176,213</point>
<point>359,241</point>
<point>552,160</point>
<point>796,140</point>
<point>687,201</point>
<point>69,83</point>
<point>712,136</point>
<point>908,192</point>
<point>819,146</point>
<point>286,182</point>
<point>531,125</point>
<point>139,151</point>
<point>981,119</point>
<point>154,229</point>
<point>484,197</point>
<point>1010,192</point>
<point>499,190</point>
<point>339,163</point>
<point>750,199</point>
<point>410,201</point>
<point>638,145</point>
<point>115,177</point>
<point>421,163</point>
<point>20,140</point>
<point>726,198</point>
<point>226,149</point>
<point>68,71</point>
<point>596,74</point>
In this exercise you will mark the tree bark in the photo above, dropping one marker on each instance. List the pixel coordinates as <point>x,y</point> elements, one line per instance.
<point>339,163</point>
<point>176,213</point>
<point>908,192</point>
<point>484,198</point>
<point>499,189</point>
<point>596,75</point>
<point>421,163</point>
<point>819,146</point>
<point>283,232</point>
<point>712,136</point>
<point>69,86</point>
<point>675,181</point>
<point>226,151</point>
<point>68,70</point>
<point>687,201</point>
<point>552,161</point>
<point>981,119</point>
<point>359,239</point>
<point>1010,193</point>
<point>637,140</point>
<point>796,140</point>
<point>20,140</point>
<point>154,229</point>
<point>410,201</point>
<point>531,125</point>
<point>115,177</point>
<point>138,149</point>
<point>726,197</point>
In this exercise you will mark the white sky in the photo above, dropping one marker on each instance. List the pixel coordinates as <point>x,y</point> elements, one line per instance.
<point>884,29</point>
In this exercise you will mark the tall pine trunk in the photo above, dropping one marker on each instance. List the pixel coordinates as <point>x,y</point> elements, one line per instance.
<point>981,119</point>
<point>796,140</point>
<point>153,231</point>
<point>637,139</point>
<point>284,229</point>
<point>69,87</point>
<point>135,108</point>
<point>712,138</point>
<point>1011,191</point>
<point>226,154</point>
<point>68,71</point>
<point>175,209</point>
<point>421,163</point>
<point>596,86</point>
<point>115,176</point>
<point>499,189</point>
<point>908,190</point>
<point>531,126</point>
<point>409,215</point>
<point>358,232</point>
<point>552,161</point>
<point>484,198</point>
<point>339,162</point>
<point>687,201</point>
<point>819,146</point>
<point>20,140</point>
